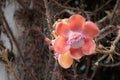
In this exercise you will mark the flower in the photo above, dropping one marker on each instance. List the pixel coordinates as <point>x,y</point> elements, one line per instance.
<point>74,39</point>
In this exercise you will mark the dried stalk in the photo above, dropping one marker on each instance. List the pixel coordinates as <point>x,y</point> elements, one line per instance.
<point>114,11</point>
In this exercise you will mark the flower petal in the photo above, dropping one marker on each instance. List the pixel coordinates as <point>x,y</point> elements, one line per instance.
<point>60,45</point>
<point>65,60</point>
<point>56,55</point>
<point>76,53</point>
<point>62,29</point>
<point>91,29</point>
<point>89,46</point>
<point>76,22</point>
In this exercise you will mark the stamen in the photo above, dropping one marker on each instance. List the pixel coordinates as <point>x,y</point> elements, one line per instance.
<point>77,44</point>
<point>76,41</point>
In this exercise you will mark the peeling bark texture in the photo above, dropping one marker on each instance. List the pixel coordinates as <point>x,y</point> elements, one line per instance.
<point>24,54</point>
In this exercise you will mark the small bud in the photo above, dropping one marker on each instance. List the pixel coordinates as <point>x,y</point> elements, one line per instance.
<point>47,40</point>
<point>51,47</point>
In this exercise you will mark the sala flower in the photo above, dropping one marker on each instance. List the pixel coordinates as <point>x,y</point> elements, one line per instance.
<point>73,40</point>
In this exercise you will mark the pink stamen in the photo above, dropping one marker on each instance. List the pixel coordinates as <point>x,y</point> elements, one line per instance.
<point>76,41</point>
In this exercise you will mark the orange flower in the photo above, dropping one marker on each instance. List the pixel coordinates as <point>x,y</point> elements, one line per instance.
<point>74,39</point>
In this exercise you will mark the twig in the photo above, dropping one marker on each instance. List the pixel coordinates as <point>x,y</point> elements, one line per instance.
<point>9,63</point>
<point>10,42</point>
<point>48,15</point>
<point>16,77</point>
<point>114,11</point>
<point>65,10</point>
<point>12,38</point>
<point>117,38</point>
<point>87,66</point>
<point>65,7</point>
<point>109,65</point>
<point>21,3</point>
<point>54,69</point>
<point>93,74</point>
<point>102,20</point>
<point>109,52</point>
<point>107,30</point>
<point>103,6</point>
<point>75,71</point>
<point>67,2</point>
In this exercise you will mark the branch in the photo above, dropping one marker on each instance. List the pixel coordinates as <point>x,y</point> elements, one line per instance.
<point>114,11</point>
<point>48,15</point>
<point>117,38</point>
<point>107,30</point>
<point>65,7</point>
<point>12,38</point>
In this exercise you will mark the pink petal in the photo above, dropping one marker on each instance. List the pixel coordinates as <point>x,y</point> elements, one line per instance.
<point>60,45</point>
<point>62,29</point>
<point>56,55</point>
<point>76,22</point>
<point>76,53</point>
<point>91,29</point>
<point>89,47</point>
<point>65,60</point>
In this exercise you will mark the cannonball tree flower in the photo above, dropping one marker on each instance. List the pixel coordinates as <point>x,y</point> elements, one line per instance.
<point>74,39</point>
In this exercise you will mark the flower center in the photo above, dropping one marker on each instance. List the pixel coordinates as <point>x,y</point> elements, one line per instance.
<point>76,40</point>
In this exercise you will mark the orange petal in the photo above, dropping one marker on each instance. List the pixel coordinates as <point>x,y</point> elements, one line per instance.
<point>76,22</point>
<point>91,29</point>
<point>76,53</point>
<point>60,45</point>
<point>89,46</point>
<point>62,29</point>
<point>65,60</point>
